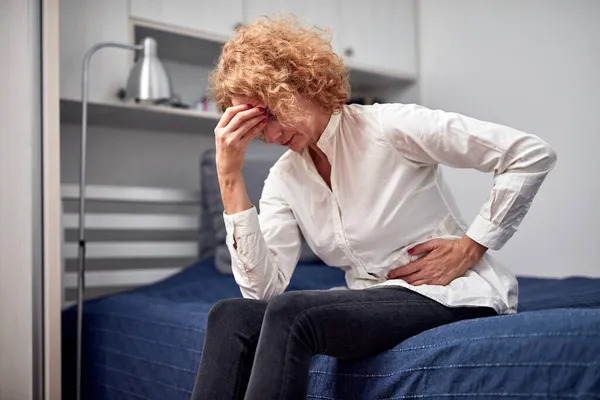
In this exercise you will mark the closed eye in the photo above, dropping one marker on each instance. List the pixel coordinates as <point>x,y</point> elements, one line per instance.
<point>270,116</point>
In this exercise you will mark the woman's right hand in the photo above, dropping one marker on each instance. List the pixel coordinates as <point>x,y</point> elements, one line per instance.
<point>236,129</point>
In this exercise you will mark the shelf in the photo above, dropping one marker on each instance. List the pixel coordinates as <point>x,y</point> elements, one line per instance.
<point>200,48</point>
<point>140,117</point>
<point>180,45</point>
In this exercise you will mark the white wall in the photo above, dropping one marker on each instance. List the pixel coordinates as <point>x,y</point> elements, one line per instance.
<point>20,206</point>
<point>142,158</point>
<point>533,65</point>
<point>135,158</point>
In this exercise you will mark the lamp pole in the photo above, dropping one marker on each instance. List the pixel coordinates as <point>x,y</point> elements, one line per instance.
<point>82,173</point>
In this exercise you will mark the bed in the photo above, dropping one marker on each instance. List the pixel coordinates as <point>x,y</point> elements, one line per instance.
<point>146,343</point>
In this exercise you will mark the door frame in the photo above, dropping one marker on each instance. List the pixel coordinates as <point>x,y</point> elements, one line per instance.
<point>51,199</point>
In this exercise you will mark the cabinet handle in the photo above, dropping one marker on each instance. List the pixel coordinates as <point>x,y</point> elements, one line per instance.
<point>348,52</point>
<point>237,26</point>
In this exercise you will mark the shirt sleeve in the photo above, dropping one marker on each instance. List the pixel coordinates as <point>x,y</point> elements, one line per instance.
<point>519,161</point>
<point>267,246</point>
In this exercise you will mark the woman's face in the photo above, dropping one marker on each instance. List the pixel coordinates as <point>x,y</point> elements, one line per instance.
<point>296,139</point>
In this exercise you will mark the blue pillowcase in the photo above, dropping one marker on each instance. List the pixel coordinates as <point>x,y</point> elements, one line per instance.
<point>258,162</point>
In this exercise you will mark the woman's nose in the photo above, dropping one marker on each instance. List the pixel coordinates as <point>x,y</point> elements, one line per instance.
<point>271,133</point>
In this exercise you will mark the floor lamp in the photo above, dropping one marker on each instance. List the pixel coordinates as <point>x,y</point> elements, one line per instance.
<point>148,82</point>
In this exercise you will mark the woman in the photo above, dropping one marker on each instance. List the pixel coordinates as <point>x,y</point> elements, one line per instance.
<point>362,184</point>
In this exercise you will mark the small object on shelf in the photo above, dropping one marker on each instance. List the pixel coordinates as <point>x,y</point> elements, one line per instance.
<point>212,107</point>
<point>199,104</point>
<point>205,104</point>
<point>176,102</point>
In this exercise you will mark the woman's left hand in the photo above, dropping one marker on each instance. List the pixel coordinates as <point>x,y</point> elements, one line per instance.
<point>446,260</point>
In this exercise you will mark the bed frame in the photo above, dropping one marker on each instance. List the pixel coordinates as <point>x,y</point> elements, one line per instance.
<point>109,219</point>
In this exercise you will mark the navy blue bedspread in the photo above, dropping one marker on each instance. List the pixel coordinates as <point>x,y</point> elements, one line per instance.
<point>147,343</point>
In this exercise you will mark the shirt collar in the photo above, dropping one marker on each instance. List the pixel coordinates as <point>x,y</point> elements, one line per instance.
<point>324,142</point>
<point>329,132</point>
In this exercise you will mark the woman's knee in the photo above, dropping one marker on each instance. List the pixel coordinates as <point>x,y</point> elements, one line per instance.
<point>290,312</point>
<point>287,304</point>
<point>233,312</point>
<point>292,307</point>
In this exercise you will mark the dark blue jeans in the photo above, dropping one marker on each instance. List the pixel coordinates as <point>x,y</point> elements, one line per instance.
<point>262,350</point>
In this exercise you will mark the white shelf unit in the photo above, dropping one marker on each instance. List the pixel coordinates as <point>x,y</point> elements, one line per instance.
<point>141,117</point>
<point>199,48</point>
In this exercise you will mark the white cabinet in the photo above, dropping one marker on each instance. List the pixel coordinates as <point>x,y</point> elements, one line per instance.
<point>324,14</point>
<point>84,23</point>
<point>380,33</point>
<point>369,35</point>
<point>213,17</point>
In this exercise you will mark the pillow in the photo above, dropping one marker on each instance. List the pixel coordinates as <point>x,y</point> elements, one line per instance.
<point>259,160</point>
<point>212,228</point>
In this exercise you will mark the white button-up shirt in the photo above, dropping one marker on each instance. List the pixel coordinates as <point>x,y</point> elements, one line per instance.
<point>386,196</point>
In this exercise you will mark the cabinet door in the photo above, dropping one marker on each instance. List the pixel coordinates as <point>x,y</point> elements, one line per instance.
<point>84,23</point>
<point>380,33</point>
<point>215,17</point>
<point>322,13</point>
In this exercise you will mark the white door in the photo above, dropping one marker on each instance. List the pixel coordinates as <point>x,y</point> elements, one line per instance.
<point>30,318</point>
<point>323,13</point>
<point>215,17</point>
<point>380,34</point>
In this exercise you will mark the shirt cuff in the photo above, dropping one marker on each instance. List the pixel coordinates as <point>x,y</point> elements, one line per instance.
<point>486,233</point>
<point>243,223</point>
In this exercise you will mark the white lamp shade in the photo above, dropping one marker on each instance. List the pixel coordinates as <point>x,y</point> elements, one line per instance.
<point>148,81</point>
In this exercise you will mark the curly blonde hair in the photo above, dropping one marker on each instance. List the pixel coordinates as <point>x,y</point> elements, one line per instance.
<point>274,60</point>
